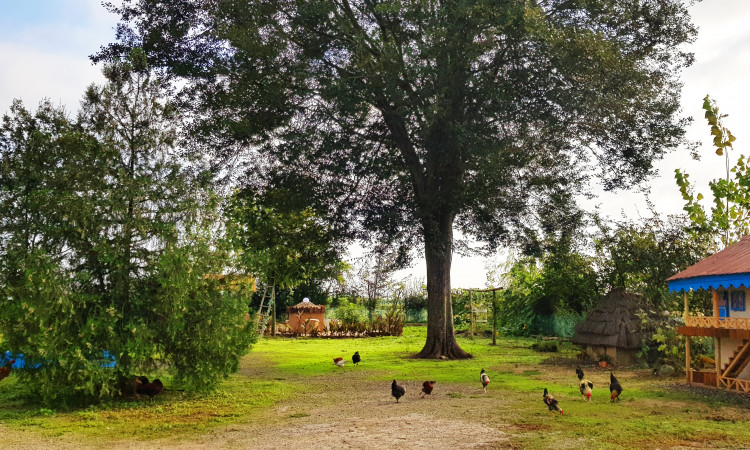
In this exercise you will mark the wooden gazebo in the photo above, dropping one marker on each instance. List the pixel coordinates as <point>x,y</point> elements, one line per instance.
<point>727,275</point>
<point>613,328</point>
<point>301,312</point>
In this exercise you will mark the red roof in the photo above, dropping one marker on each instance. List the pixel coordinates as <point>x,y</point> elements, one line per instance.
<point>733,259</point>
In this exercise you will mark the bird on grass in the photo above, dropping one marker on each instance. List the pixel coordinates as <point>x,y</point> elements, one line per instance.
<point>551,402</point>
<point>485,379</point>
<point>585,386</point>
<point>615,389</point>
<point>427,388</point>
<point>355,358</point>
<point>144,387</point>
<point>339,362</point>
<point>397,391</point>
<point>5,370</point>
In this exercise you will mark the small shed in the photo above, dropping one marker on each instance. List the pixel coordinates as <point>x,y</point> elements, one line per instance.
<point>301,312</point>
<point>613,328</point>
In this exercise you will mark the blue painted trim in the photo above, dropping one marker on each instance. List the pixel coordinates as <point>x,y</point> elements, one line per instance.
<point>725,281</point>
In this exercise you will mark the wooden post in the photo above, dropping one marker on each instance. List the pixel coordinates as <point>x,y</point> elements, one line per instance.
<point>471,314</point>
<point>273,311</point>
<point>687,359</point>
<point>687,344</point>
<point>717,339</point>
<point>494,317</point>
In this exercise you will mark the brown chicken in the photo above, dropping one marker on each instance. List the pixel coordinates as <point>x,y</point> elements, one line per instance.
<point>551,402</point>
<point>5,370</point>
<point>152,388</point>
<point>427,388</point>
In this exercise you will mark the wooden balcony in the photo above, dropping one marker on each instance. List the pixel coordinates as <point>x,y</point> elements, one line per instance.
<point>731,327</point>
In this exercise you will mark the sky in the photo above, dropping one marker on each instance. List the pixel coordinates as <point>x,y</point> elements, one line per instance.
<point>45,45</point>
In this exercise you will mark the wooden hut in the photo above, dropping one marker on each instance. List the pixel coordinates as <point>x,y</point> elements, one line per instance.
<point>612,328</point>
<point>727,275</point>
<point>301,312</point>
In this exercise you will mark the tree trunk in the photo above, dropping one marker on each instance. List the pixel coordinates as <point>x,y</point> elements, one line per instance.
<point>441,340</point>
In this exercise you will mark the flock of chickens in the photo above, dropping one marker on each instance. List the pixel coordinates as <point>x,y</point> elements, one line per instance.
<point>585,386</point>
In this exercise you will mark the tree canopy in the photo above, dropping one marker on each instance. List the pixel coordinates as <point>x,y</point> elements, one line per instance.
<point>404,119</point>
<point>107,245</point>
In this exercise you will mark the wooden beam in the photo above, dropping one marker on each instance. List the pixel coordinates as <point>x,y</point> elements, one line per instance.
<point>687,359</point>
<point>471,314</point>
<point>739,362</point>
<point>687,311</point>
<point>717,355</point>
<point>494,317</point>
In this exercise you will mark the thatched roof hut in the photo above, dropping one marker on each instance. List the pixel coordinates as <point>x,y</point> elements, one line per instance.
<point>306,307</point>
<point>304,311</point>
<point>613,328</point>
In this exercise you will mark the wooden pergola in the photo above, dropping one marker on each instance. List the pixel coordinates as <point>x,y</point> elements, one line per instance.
<point>494,310</point>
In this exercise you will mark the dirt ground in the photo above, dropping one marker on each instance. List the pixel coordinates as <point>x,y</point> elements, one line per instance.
<point>367,418</point>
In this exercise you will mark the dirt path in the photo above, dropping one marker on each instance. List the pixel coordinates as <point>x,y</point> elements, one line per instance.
<point>367,418</point>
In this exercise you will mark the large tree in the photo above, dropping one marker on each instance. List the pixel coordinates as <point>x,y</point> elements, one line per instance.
<point>107,244</point>
<point>414,118</point>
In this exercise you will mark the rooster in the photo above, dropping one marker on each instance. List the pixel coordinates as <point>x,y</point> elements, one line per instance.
<point>551,402</point>
<point>427,388</point>
<point>585,386</point>
<point>615,389</point>
<point>397,391</point>
<point>339,362</point>
<point>355,358</point>
<point>5,370</point>
<point>151,388</point>
<point>485,379</point>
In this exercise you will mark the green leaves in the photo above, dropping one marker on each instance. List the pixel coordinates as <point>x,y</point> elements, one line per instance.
<point>106,241</point>
<point>723,138</point>
<point>729,218</point>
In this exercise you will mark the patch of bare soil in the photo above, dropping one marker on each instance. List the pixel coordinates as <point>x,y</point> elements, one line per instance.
<point>355,413</point>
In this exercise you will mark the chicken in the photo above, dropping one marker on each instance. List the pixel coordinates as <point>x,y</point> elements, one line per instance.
<point>339,362</point>
<point>335,360</point>
<point>427,388</point>
<point>152,388</point>
<point>355,358</point>
<point>551,402</point>
<point>397,391</point>
<point>5,370</point>
<point>139,382</point>
<point>585,386</point>
<point>485,379</point>
<point>615,389</point>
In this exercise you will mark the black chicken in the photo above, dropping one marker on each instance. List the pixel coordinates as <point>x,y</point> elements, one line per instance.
<point>355,358</point>
<point>579,372</point>
<point>397,391</point>
<point>615,389</point>
<point>551,402</point>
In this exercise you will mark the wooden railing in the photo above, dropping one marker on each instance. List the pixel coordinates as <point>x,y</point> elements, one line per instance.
<point>736,383</point>
<point>734,323</point>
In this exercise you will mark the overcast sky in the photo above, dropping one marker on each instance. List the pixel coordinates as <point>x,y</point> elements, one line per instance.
<point>45,44</point>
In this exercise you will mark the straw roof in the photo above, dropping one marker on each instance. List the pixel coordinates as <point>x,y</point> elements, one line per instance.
<point>306,307</point>
<point>613,322</point>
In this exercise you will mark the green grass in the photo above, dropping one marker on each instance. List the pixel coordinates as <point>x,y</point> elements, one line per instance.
<point>267,391</point>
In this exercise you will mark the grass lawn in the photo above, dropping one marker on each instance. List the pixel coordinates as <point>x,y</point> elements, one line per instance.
<point>288,392</point>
